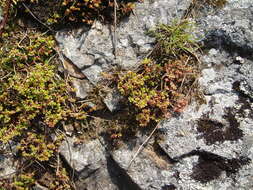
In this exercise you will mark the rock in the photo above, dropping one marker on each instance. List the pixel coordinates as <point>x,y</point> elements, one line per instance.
<point>92,51</point>
<point>94,169</point>
<point>212,127</point>
<point>39,187</point>
<point>149,170</point>
<point>113,100</point>
<point>69,68</point>
<point>1,14</point>
<point>230,26</point>
<point>83,87</point>
<point>192,172</point>
<point>85,156</point>
<point>246,85</point>
<point>89,162</point>
<point>85,47</point>
<point>7,166</point>
<point>99,179</point>
<point>93,73</point>
<point>208,146</point>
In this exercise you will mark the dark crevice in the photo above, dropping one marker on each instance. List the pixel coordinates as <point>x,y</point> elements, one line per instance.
<point>86,172</point>
<point>169,187</point>
<point>163,154</point>
<point>119,176</point>
<point>73,174</point>
<point>219,39</point>
<point>242,96</point>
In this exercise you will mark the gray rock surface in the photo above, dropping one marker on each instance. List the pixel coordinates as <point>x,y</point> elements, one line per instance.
<point>84,156</point>
<point>83,87</point>
<point>113,100</point>
<point>219,125</point>
<point>8,165</point>
<point>99,179</point>
<point>230,26</point>
<point>148,170</point>
<point>1,14</point>
<point>92,51</point>
<point>89,163</point>
<point>208,146</point>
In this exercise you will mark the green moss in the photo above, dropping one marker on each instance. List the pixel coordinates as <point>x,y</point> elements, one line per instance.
<point>175,39</point>
<point>163,85</point>
<point>24,182</point>
<point>216,3</point>
<point>34,101</point>
<point>89,10</point>
<point>59,13</point>
<point>30,90</point>
<point>79,11</point>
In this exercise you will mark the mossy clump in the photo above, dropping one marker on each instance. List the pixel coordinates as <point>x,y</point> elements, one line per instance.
<point>216,3</point>
<point>88,10</point>
<point>38,147</point>
<point>34,101</point>
<point>76,11</point>
<point>165,82</point>
<point>36,174</point>
<point>30,91</point>
<point>24,182</point>
<point>197,6</point>
<point>59,13</point>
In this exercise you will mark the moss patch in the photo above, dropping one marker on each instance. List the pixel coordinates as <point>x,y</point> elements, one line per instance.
<point>34,101</point>
<point>167,79</point>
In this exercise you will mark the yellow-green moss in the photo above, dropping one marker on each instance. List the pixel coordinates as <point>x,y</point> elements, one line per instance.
<point>24,182</point>
<point>89,10</point>
<point>30,91</point>
<point>163,84</point>
<point>34,100</point>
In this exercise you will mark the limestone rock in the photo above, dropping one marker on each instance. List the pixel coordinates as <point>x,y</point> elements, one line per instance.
<point>208,146</point>
<point>93,52</point>
<point>1,14</point>
<point>79,157</point>
<point>7,166</point>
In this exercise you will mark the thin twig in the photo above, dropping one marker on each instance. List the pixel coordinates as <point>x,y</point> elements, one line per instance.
<point>4,21</point>
<point>115,25</point>
<point>37,18</point>
<point>5,76</point>
<point>100,186</point>
<point>189,91</point>
<point>58,163</point>
<point>22,39</point>
<point>141,147</point>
